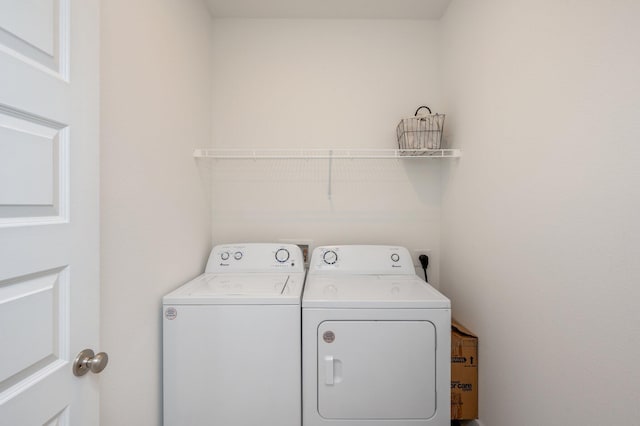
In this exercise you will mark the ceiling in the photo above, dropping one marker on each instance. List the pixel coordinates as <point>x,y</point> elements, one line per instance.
<point>329,9</point>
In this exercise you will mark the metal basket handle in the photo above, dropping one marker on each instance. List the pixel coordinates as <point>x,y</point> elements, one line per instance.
<point>419,108</point>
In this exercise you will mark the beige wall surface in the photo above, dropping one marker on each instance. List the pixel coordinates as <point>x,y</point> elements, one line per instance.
<point>155,208</point>
<point>289,84</point>
<point>534,228</point>
<point>540,236</point>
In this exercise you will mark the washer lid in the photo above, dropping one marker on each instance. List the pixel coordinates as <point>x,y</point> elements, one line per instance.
<point>239,289</point>
<point>371,291</point>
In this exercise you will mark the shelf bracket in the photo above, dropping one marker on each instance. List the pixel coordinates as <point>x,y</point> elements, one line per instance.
<point>329,178</point>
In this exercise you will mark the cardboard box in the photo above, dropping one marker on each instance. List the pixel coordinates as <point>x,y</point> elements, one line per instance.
<point>464,373</point>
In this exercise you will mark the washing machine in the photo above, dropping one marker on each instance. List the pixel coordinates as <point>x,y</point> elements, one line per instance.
<point>376,341</point>
<point>232,340</point>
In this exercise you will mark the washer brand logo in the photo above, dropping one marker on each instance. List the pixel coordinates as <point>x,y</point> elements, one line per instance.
<point>171,313</point>
<point>464,387</point>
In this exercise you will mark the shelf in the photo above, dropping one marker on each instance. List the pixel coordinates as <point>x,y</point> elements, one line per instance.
<point>311,154</point>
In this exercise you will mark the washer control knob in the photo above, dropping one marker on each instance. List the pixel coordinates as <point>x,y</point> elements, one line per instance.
<point>395,257</point>
<point>330,257</point>
<point>237,255</point>
<point>224,255</point>
<point>282,255</point>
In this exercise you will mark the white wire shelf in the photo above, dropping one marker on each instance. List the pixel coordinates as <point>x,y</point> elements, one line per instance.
<point>310,154</point>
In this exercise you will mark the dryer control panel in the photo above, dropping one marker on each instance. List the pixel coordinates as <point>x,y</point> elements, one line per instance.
<point>255,257</point>
<point>361,259</point>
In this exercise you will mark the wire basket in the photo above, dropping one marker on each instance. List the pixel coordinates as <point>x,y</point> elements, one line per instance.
<point>421,131</point>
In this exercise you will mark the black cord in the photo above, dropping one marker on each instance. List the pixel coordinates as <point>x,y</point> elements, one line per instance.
<point>424,261</point>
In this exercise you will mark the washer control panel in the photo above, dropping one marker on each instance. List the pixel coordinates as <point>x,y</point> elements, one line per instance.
<point>361,259</point>
<point>255,257</point>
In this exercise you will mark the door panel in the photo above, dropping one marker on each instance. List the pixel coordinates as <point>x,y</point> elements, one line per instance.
<point>376,369</point>
<point>49,293</point>
<point>37,31</point>
<point>37,307</point>
<point>34,169</point>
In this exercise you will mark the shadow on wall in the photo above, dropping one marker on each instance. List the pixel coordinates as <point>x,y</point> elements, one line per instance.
<point>321,186</point>
<point>394,202</point>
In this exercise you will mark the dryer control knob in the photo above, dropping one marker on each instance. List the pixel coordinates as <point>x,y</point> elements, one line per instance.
<point>330,257</point>
<point>282,255</point>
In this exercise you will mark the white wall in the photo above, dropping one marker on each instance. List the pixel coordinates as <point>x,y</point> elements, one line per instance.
<point>540,218</point>
<point>156,108</point>
<point>323,84</point>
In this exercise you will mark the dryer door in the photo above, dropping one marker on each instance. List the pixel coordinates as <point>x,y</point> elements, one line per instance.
<point>376,369</point>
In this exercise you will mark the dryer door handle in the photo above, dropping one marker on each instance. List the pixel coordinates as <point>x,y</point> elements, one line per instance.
<point>328,370</point>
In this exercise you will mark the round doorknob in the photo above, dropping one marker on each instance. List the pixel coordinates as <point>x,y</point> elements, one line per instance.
<point>88,361</point>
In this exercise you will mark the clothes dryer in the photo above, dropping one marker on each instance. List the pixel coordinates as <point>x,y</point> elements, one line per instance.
<point>376,341</point>
<point>231,340</point>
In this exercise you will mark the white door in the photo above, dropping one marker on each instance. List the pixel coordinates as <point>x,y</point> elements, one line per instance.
<point>49,128</point>
<point>378,370</point>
